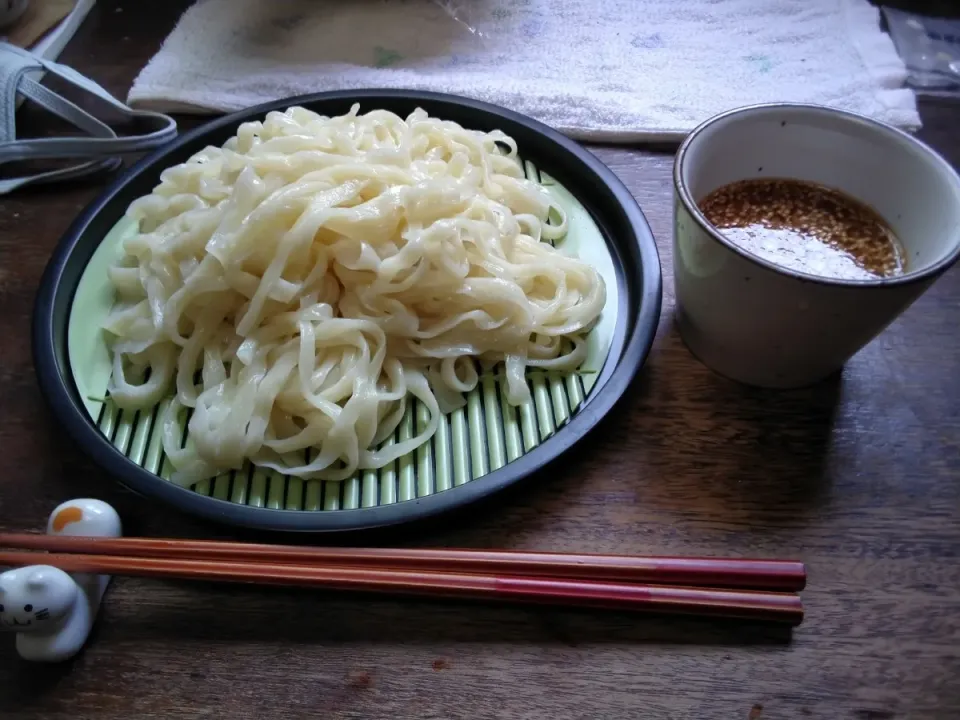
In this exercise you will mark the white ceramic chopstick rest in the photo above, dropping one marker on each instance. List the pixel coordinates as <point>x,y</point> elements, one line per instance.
<point>52,612</point>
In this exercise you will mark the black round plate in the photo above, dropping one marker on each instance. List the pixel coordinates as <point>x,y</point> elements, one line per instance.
<point>610,204</point>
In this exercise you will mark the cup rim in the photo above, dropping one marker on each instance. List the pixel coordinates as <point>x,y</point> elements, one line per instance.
<point>893,134</point>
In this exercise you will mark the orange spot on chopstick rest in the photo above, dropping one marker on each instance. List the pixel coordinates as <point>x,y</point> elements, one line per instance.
<point>70,514</point>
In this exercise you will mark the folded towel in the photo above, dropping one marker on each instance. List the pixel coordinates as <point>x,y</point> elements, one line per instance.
<point>610,70</point>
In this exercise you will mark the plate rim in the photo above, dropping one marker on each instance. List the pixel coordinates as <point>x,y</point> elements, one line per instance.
<point>54,376</point>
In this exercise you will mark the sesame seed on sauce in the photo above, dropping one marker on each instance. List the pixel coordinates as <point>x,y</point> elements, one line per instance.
<point>805,227</point>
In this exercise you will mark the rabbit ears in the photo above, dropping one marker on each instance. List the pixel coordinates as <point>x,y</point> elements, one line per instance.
<point>35,578</point>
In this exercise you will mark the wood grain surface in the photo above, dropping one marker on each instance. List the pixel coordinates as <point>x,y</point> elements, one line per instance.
<point>859,477</point>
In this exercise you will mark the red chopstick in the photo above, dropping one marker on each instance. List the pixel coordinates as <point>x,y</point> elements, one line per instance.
<point>780,575</point>
<point>767,606</point>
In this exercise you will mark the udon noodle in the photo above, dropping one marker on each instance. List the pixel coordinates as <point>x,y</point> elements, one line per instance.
<point>298,286</point>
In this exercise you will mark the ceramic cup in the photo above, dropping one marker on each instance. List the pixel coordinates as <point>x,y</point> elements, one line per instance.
<point>761,324</point>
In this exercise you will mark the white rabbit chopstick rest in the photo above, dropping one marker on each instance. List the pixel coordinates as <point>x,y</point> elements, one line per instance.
<point>51,611</point>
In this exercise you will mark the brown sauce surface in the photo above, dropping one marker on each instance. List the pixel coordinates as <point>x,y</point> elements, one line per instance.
<point>805,227</point>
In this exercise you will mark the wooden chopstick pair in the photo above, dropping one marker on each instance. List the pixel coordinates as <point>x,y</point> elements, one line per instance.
<point>736,588</point>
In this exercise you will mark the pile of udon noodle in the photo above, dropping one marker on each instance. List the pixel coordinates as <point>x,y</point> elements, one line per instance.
<point>298,286</point>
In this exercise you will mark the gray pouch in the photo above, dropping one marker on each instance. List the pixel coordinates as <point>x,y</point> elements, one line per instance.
<point>98,150</point>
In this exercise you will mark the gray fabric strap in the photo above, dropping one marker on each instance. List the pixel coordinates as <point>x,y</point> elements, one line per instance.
<point>68,173</point>
<point>99,148</point>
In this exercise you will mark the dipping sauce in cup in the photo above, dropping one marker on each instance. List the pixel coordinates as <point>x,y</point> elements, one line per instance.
<point>806,227</point>
<point>800,233</point>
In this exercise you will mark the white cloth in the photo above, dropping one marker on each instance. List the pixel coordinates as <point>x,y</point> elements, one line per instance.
<point>610,70</point>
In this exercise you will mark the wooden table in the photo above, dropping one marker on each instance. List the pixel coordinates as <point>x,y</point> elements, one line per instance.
<point>859,477</point>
